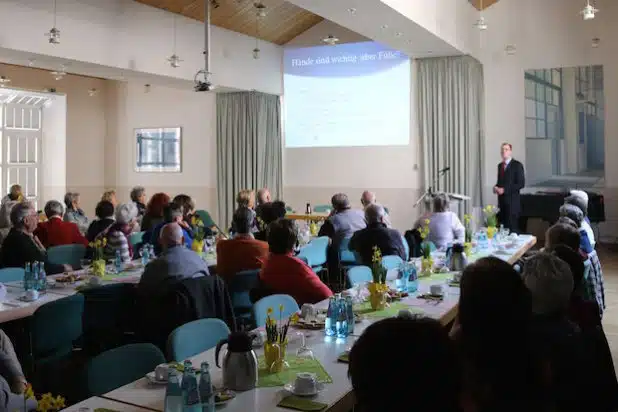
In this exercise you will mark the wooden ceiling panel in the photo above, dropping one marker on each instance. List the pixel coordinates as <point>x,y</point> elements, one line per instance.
<point>282,23</point>
<point>484,3</point>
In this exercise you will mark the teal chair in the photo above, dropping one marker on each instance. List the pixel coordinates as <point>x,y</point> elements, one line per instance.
<point>11,274</point>
<point>315,253</point>
<point>195,337</point>
<point>53,328</point>
<point>322,208</point>
<point>391,262</point>
<point>288,209</point>
<point>66,255</point>
<point>205,217</point>
<point>273,301</point>
<point>136,238</point>
<point>120,366</point>
<point>359,274</point>
<point>346,256</point>
<point>432,246</point>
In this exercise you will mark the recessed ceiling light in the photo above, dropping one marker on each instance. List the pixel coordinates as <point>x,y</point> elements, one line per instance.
<point>352,10</point>
<point>398,34</point>
<point>4,81</point>
<point>481,23</point>
<point>589,11</point>
<point>596,42</point>
<point>510,49</point>
<point>384,26</point>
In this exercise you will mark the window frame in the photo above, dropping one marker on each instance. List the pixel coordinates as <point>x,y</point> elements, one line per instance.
<point>150,134</point>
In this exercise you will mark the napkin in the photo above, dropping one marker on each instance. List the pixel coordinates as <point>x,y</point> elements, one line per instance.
<point>301,404</point>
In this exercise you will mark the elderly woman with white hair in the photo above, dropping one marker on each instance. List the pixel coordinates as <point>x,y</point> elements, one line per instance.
<point>580,199</point>
<point>444,225</point>
<point>21,246</point>
<point>577,216</point>
<point>74,213</point>
<point>118,234</point>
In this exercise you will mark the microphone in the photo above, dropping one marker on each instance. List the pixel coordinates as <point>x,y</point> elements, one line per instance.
<point>446,169</point>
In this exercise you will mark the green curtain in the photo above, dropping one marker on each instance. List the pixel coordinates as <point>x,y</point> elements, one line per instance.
<point>450,114</point>
<point>249,148</point>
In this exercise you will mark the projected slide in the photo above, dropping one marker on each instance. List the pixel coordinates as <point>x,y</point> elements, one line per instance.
<point>354,94</point>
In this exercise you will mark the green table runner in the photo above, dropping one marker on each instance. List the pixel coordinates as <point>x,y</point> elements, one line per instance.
<point>268,380</point>
<point>112,276</point>
<point>390,311</point>
<point>436,277</point>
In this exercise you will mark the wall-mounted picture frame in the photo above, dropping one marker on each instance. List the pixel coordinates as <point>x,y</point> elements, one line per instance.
<point>158,149</point>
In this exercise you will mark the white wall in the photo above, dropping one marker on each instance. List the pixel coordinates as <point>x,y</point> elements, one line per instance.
<point>126,35</point>
<point>315,174</point>
<point>54,134</point>
<point>547,34</point>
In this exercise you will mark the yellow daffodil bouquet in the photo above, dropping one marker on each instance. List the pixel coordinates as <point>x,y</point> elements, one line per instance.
<point>98,256</point>
<point>467,225</point>
<point>276,330</point>
<point>46,403</point>
<point>491,213</point>
<point>199,233</point>
<point>378,271</point>
<point>424,232</point>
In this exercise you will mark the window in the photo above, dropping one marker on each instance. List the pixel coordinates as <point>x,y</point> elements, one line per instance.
<point>543,105</point>
<point>158,149</point>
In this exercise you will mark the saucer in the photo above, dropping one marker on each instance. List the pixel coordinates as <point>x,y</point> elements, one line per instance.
<point>152,379</point>
<point>291,387</point>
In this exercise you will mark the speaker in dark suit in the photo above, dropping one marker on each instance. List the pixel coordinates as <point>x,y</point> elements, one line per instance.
<point>511,179</point>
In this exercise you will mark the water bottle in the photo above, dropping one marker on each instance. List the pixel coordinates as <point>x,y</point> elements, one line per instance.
<point>207,394</point>
<point>34,276</point>
<point>173,393</point>
<point>190,393</point>
<point>412,278</point>
<point>331,317</point>
<point>27,274</point>
<point>349,305</point>
<point>151,252</point>
<point>342,319</point>
<point>145,255</point>
<point>308,209</point>
<point>42,277</point>
<point>118,262</point>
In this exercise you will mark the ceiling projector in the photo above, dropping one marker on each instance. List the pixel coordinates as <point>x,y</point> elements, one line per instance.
<point>203,85</point>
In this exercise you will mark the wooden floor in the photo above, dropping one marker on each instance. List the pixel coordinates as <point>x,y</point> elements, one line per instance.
<point>609,261</point>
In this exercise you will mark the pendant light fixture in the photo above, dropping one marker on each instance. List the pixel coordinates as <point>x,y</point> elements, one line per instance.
<point>481,23</point>
<point>4,81</point>
<point>589,11</point>
<point>174,60</point>
<point>54,33</point>
<point>260,13</point>
<point>60,73</point>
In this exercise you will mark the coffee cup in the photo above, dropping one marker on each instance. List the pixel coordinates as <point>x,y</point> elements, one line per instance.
<point>308,311</point>
<point>306,383</point>
<point>436,290</point>
<point>161,372</point>
<point>32,294</point>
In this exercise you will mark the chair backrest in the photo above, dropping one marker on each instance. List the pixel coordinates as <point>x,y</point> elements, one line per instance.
<point>316,251</point>
<point>136,238</point>
<point>322,208</point>
<point>406,247</point>
<point>11,274</point>
<point>56,325</point>
<point>359,274</point>
<point>391,262</point>
<point>120,366</point>
<point>66,254</point>
<point>239,287</point>
<point>273,301</point>
<point>206,218</point>
<point>345,254</point>
<point>195,337</point>
<point>288,209</point>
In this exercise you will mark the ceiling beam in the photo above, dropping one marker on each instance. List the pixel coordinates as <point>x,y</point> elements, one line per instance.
<point>486,3</point>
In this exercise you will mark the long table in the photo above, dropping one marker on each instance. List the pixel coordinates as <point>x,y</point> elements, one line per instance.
<point>337,395</point>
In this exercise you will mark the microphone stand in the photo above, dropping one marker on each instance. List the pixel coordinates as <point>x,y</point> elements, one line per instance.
<point>429,191</point>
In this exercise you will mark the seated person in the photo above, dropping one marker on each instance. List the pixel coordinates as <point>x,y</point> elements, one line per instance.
<point>269,213</point>
<point>389,241</point>
<point>172,213</point>
<point>435,386</point>
<point>74,212</point>
<point>242,252</point>
<point>105,218</point>
<point>138,196</point>
<point>21,246</point>
<point>576,215</point>
<point>10,368</point>
<point>246,199</point>
<point>369,198</point>
<point>502,369</point>
<point>582,204</point>
<point>444,225</point>
<point>343,221</point>
<point>558,340</point>
<point>188,210</point>
<point>110,196</point>
<point>263,201</point>
<point>284,273</point>
<point>54,231</point>
<point>15,196</point>
<point>175,262</point>
<point>154,211</point>
<point>118,233</point>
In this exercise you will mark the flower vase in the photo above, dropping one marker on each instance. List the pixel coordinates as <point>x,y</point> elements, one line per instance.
<point>491,232</point>
<point>274,356</point>
<point>98,267</point>
<point>468,248</point>
<point>197,246</point>
<point>377,295</point>
<point>427,266</point>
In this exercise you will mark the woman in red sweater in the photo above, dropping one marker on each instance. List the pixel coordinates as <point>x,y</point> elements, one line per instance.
<point>284,273</point>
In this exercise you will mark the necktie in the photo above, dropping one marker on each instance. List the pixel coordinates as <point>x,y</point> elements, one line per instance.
<point>503,168</point>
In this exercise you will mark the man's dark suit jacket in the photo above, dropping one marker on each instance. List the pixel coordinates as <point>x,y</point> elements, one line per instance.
<point>512,181</point>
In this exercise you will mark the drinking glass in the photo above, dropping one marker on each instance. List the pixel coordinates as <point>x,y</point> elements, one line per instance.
<point>84,264</point>
<point>304,351</point>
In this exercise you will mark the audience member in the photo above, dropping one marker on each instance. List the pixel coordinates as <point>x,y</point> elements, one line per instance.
<point>577,216</point>
<point>175,263</point>
<point>138,196</point>
<point>284,273</point>
<point>54,231</point>
<point>344,220</point>
<point>369,198</point>
<point>15,196</point>
<point>582,204</point>
<point>110,196</point>
<point>389,241</point>
<point>188,206</point>
<point>242,252</point>
<point>10,368</point>
<point>74,213</point>
<point>105,218</point>
<point>154,211</point>
<point>118,233</point>
<point>21,246</point>
<point>246,199</point>
<point>263,198</point>
<point>172,213</point>
<point>502,371</point>
<point>376,370</point>
<point>269,213</point>
<point>444,225</point>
